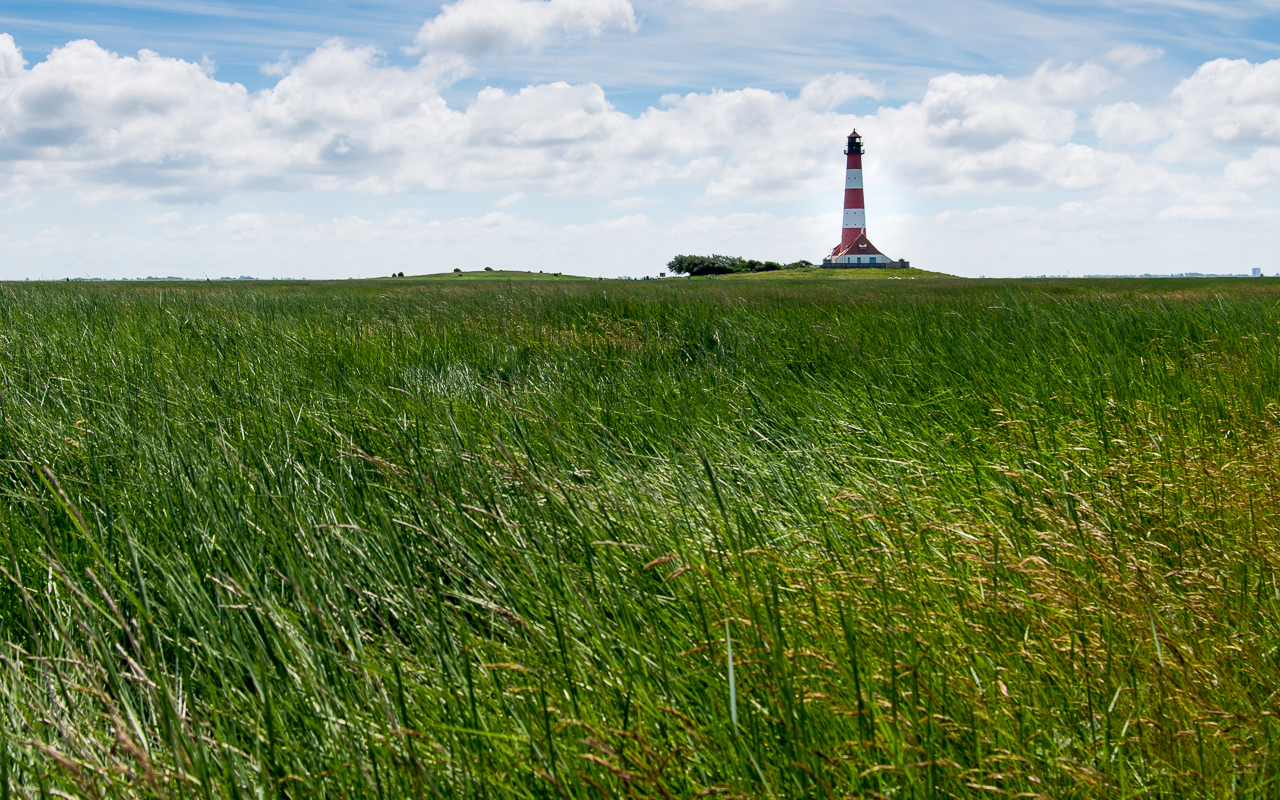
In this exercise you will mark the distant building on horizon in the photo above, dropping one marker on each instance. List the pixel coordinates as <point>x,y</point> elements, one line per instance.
<point>855,249</point>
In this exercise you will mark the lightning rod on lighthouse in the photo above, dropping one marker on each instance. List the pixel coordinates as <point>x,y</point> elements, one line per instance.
<point>855,250</point>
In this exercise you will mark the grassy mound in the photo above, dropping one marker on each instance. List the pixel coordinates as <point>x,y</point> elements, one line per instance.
<point>839,274</point>
<point>693,538</point>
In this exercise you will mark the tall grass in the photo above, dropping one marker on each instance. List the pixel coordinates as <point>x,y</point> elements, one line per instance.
<point>388,540</point>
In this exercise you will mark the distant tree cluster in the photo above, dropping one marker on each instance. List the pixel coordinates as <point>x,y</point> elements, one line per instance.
<point>724,265</point>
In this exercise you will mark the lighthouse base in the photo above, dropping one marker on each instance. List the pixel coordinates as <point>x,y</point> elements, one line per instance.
<point>863,262</point>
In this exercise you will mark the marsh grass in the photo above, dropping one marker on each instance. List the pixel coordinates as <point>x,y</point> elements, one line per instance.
<point>410,539</point>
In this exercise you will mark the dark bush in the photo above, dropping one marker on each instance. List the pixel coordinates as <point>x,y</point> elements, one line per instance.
<point>724,265</point>
<point>706,265</point>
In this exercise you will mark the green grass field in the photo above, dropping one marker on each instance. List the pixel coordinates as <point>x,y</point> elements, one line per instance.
<point>481,275</point>
<point>745,538</point>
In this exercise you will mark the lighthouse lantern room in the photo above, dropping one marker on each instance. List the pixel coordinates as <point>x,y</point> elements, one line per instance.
<point>855,250</point>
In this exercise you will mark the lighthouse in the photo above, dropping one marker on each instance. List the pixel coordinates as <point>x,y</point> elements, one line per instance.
<point>855,250</point>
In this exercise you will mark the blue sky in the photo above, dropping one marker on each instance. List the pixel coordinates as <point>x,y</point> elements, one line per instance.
<point>333,139</point>
<point>678,48</point>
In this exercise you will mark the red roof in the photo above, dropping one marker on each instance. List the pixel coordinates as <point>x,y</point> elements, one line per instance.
<point>858,247</point>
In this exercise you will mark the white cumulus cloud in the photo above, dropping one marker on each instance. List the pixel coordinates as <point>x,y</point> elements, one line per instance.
<point>161,128</point>
<point>987,133</point>
<point>983,112</point>
<point>1260,169</point>
<point>1127,124</point>
<point>1230,102</point>
<point>147,127</point>
<point>11,60</point>
<point>478,27</point>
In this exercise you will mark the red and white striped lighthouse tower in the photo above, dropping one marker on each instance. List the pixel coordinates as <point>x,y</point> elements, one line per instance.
<point>855,250</point>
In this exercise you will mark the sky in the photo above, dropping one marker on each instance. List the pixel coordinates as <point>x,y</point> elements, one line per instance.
<point>327,139</point>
